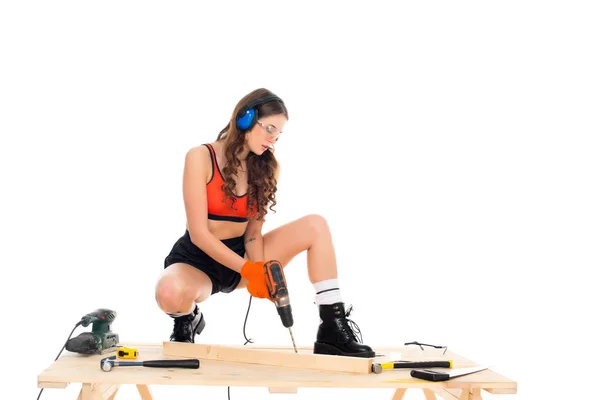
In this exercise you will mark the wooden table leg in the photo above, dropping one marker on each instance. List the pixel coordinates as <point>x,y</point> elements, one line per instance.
<point>144,392</point>
<point>91,391</point>
<point>110,392</point>
<point>429,395</point>
<point>476,394</point>
<point>448,394</point>
<point>399,394</point>
<point>470,394</point>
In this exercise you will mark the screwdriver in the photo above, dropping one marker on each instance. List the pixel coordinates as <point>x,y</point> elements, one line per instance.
<point>279,294</point>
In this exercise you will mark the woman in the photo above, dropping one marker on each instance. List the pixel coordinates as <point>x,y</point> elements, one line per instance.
<point>228,187</point>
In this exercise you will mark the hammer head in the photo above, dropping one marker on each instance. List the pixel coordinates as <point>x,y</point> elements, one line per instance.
<point>107,363</point>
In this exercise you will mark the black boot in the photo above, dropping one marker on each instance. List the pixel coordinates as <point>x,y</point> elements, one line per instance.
<point>187,326</point>
<point>335,337</point>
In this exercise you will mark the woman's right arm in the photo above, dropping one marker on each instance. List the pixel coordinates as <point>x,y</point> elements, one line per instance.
<point>195,175</point>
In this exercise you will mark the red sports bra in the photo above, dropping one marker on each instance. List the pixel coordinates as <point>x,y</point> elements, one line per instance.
<point>219,208</point>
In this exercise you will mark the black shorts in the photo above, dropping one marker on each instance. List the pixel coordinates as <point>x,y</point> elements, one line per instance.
<point>223,278</point>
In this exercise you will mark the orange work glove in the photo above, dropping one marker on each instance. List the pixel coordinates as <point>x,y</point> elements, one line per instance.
<point>254,272</point>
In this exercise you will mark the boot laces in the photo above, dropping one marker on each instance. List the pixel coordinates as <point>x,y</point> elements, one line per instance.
<point>351,327</point>
<point>182,327</point>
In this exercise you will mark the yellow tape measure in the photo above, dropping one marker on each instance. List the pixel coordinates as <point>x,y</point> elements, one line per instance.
<point>127,352</point>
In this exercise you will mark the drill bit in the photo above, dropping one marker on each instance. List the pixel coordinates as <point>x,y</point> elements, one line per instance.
<point>293,341</point>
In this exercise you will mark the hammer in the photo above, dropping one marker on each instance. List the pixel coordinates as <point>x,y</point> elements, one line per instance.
<point>106,364</point>
<point>378,368</point>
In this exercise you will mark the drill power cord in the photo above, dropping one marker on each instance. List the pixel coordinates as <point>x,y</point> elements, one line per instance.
<point>61,350</point>
<point>246,320</point>
<point>245,337</point>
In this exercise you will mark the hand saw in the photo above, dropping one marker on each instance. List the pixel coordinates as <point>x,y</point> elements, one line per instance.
<point>437,376</point>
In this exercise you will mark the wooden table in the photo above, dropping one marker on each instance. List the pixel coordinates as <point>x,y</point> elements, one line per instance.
<point>97,384</point>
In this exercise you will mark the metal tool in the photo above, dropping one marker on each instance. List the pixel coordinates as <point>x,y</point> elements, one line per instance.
<point>379,367</point>
<point>100,340</point>
<point>279,294</point>
<point>107,364</point>
<point>437,376</point>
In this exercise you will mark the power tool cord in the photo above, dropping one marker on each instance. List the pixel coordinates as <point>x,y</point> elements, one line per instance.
<point>61,350</point>
<point>245,320</point>
<point>245,337</point>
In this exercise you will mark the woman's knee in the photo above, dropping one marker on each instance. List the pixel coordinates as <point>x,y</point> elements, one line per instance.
<point>317,223</point>
<point>171,293</point>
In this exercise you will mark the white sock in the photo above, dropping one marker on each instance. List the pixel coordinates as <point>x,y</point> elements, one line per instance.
<point>327,292</point>
<point>181,314</point>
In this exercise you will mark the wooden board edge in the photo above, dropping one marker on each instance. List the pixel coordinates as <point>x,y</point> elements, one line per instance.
<point>317,362</point>
<point>288,390</point>
<point>52,385</point>
<point>508,390</point>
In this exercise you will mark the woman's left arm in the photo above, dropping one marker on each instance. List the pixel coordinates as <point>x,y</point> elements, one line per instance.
<point>253,240</point>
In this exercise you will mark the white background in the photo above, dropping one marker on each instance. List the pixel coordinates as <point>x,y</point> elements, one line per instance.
<point>452,146</point>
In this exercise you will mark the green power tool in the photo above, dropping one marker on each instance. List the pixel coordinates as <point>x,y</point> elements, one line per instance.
<point>100,340</point>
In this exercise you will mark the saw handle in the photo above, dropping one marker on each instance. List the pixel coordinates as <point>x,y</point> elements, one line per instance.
<point>429,375</point>
<point>193,364</point>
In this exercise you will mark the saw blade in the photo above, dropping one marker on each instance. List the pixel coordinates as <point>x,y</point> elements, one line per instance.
<point>465,371</point>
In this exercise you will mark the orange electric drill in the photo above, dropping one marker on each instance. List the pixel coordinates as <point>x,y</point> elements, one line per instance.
<point>279,294</point>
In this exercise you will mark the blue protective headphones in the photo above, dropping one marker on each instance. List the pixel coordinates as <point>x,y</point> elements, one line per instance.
<point>247,116</point>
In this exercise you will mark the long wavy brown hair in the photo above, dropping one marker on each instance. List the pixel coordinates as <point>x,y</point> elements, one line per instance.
<point>262,185</point>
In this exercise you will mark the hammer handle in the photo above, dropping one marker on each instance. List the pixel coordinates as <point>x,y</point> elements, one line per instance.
<point>423,364</point>
<point>188,363</point>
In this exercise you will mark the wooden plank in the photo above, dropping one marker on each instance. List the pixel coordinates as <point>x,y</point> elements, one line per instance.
<point>144,392</point>
<point>502,390</point>
<point>53,385</point>
<point>399,394</point>
<point>76,368</point>
<point>276,358</point>
<point>429,395</point>
<point>289,390</point>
